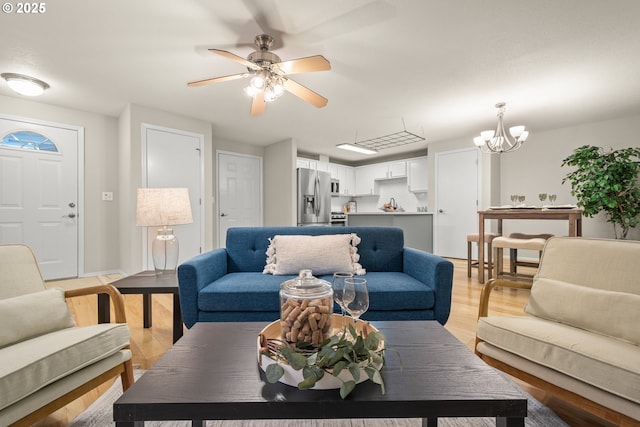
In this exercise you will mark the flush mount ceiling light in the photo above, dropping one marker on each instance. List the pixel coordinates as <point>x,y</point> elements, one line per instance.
<point>498,141</point>
<point>25,85</point>
<point>357,149</point>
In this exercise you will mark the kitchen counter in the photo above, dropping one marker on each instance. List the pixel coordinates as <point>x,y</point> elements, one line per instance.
<point>390,213</point>
<point>417,226</point>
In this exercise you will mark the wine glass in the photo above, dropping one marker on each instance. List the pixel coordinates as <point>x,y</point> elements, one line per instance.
<point>542,197</point>
<point>521,199</point>
<point>342,295</point>
<point>360,302</point>
<point>514,199</point>
<point>552,198</point>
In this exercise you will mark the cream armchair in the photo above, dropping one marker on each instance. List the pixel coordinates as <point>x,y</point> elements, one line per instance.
<point>46,361</point>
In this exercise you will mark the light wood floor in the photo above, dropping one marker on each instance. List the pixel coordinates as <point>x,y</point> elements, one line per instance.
<point>149,344</point>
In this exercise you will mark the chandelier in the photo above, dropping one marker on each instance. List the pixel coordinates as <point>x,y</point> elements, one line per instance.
<point>269,83</point>
<point>498,141</point>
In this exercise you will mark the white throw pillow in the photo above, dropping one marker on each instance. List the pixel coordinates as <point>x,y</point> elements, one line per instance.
<point>31,315</point>
<point>324,254</point>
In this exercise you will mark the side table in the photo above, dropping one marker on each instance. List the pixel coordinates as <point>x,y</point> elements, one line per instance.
<point>146,283</point>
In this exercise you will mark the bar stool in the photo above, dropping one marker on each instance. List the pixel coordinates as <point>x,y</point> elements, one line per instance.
<point>514,242</point>
<point>475,237</point>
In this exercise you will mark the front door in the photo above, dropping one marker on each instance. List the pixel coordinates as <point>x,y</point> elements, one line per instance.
<point>39,198</point>
<point>239,192</point>
<point>456,200</point>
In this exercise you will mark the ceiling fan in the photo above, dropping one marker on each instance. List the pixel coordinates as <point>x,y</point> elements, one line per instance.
<point>270,76</point>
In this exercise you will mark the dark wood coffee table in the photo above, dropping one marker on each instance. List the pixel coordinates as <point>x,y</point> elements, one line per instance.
<point>146,283</point>
<point>212,374</point>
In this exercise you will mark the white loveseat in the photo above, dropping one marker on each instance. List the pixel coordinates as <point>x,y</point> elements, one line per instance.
<point>46,361</point>
<point>580,339</point>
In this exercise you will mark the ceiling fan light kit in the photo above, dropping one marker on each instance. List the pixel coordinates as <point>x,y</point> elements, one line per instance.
<point>269,75</point>
<point>498,141</point>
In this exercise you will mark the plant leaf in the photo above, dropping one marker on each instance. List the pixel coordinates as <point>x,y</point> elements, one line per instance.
<point>346,388</point>
<point>354,368</point>
<point>296,360</point>
<point>274,373</point>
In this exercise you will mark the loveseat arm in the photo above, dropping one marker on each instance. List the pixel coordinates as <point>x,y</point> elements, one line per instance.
<point>112,291</point>
<point>193,275</point>
<point>483,307</point>
<point>436,273</point>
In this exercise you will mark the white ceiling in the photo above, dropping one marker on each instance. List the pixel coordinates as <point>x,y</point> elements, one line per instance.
<point>434,67</point>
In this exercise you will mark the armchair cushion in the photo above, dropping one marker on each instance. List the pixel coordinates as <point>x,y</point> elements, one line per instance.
<point>616,314</point>
<point>31,315</point>
<point>30,365</point>
<point>321,254</point>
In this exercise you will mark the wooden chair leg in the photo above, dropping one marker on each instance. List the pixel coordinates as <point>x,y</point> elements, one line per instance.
<point>489,263</point>
<point>513,261</point>
<point>468,259</point>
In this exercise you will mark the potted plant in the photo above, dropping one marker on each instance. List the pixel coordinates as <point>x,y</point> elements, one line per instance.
<point>607,181</point>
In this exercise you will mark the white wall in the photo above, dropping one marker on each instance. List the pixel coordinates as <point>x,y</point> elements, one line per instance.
<point>280,184</point>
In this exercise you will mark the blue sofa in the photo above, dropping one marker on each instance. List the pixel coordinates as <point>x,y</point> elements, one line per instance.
<point>227,284</point>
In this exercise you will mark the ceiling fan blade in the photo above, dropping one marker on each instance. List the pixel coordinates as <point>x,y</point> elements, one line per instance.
<point>217,79</point>
<point>305,94</point>
<point>236,58</point>
<point>305,65</point>
<point>258,105</point>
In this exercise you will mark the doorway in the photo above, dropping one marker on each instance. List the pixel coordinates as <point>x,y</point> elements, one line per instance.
<point>41,199</point>
<point>457,185</point>
<point>173,158</point>
<point>239,197</point>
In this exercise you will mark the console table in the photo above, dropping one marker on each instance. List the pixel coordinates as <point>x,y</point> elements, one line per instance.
<point>573,216</point>
<point>146,283</point>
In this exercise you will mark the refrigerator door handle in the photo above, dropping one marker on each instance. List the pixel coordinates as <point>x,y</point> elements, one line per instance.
<point>316,194</point>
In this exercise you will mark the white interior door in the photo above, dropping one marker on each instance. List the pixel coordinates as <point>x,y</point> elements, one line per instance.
<point>239,192</point>
<point>456,200</point>
<point>173,159</point>
<point>39,197</point>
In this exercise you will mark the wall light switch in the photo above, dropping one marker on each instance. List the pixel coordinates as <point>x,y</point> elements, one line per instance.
<point>107,196</point>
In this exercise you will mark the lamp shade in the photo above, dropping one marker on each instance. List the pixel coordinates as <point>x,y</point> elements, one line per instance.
<point>163,206</point>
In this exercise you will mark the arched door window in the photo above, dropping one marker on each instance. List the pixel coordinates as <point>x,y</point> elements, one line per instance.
<point>28,140</point>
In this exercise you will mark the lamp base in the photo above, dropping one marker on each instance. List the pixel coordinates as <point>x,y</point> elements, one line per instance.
<point>165,252</point>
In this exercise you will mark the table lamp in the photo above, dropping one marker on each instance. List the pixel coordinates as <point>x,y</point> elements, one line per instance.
<point>162,207</point>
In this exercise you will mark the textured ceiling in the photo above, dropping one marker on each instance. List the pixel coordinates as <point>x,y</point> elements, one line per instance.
<point>433,67</point>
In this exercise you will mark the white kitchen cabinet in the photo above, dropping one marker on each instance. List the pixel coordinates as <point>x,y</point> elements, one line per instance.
<point>365,179</point>
<point>347,178</point>
<point>417,175</point>
<point>332,168</point>
<point>396,169</point>
<point>303,163</point>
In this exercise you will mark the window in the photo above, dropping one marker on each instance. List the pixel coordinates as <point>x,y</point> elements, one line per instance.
<point>28,140</point>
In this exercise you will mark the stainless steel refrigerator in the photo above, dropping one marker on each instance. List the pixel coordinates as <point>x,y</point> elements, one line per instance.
<point>314,197</point>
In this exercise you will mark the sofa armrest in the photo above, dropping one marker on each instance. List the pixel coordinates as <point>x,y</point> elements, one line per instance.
<point>483,308</point>
<point>435,272</point>
<point>112,291</point>
<point>193,275</point>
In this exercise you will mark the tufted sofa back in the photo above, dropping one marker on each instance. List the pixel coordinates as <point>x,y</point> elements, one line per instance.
<point>381,248</point>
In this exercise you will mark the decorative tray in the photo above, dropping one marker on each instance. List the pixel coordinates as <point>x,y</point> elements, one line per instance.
<point>292,377</point>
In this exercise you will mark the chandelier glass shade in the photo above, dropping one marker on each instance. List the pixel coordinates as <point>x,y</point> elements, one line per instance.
<point>498,141</point>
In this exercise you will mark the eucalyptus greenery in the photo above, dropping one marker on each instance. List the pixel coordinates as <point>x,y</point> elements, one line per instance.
<point>607,181</point>
<point>339,352</point>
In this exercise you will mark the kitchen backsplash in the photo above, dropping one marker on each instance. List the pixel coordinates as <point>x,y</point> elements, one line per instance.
<point>396,188</point>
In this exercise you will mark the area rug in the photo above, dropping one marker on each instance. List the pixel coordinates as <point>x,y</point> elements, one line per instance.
<point>99,414</point>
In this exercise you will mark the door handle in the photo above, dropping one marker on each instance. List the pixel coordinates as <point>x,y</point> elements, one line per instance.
<point>223,214</point>
<point>72,205</point>
<point>440,211</point>
<point>71,215</point>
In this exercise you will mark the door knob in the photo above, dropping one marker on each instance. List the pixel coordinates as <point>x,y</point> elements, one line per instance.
<point>223,214</point>
<point>440,211</point>
<point>71,215</point>
<point>72,205</point>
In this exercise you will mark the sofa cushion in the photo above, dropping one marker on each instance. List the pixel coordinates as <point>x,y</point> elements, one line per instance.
<point>601,361</point>
<point>30,365</point>
<point>616,314</point>
<point>324,254</point>
<point>239,292</point>
<point>30,315</point>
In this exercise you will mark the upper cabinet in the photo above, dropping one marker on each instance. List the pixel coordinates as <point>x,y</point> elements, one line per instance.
<point>417,175</point>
